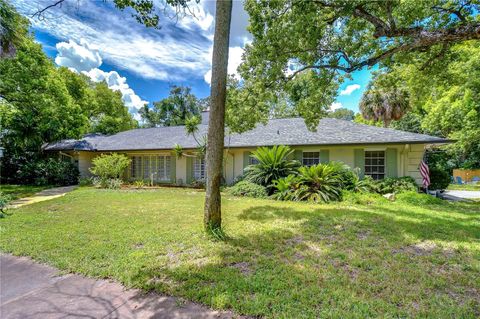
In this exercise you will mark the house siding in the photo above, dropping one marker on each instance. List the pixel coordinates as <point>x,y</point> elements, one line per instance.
<point>407,159</point>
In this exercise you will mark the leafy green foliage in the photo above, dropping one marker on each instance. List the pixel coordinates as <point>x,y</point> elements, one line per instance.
<point>391,185</point>
<point>4,199</point>
<point>306,48</point>
<point>418,199</point>
<point>49,171</point>
<point>273,164</point>
<point>444,95</point>
<point>384,100</point>
<point>439,179</point>
<point>13,29</point>
<point>342,114</point>
<point>319,183</point>
<point>41,103</point>
<point>285,187</point>
<point>109,168</point>
<point>248,189</point>
<point>173,110</point>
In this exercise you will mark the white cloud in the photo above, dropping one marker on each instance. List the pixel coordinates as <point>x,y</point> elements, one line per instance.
<point>81,57</point>
<point>77,56</point>
<point>335,106</point>
<point>178,51</point>
<point>349,89</point>
<point>118,83</point>
<point>234,60</point>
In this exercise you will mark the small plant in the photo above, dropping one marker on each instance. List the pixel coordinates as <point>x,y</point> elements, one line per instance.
<point>273,164</point>
<point>85,181</point>
<point>4,199</point>
<point>139,184</point>
<point>285,188</point>
<point>114,183</point>
<point>248,189</point>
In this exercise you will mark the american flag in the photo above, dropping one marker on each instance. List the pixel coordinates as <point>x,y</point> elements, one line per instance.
<point>425,172</point>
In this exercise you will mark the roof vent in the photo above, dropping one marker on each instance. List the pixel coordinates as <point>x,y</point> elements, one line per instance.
<point>278,132</point>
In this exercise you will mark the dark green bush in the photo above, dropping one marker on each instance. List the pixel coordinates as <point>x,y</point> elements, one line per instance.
<point>249,189</point>
<point>50,171</point>
<point>439,179</point>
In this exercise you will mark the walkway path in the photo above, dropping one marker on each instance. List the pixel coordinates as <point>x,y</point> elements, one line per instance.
<point>461,195</point>
<point>44,195</point>
<point>32,290</point>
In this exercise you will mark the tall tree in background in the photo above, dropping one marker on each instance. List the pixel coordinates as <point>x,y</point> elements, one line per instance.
<point>173,110</point>
<point>342,114</point>
<point>13,28</point>
<point>384,100</point>
<point>317,43</point>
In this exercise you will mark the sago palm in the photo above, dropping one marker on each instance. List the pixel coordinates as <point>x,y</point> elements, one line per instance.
<point>319,183</point>
<point>273,164</point>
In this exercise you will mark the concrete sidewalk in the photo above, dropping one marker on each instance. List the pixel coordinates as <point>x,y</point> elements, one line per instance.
<point>455,195</point>
<point>32,290</point>
<point>44,195</point>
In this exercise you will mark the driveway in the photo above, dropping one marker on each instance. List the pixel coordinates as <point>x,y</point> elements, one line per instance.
<point>32,290</point>
<point>461,195</point>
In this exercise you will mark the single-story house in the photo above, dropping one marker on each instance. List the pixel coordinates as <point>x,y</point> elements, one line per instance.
<point>378,152</point>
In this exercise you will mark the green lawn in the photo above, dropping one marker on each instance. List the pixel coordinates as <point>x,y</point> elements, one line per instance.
<point>464,187</point>
<point>416,257</point>
<point>19,191</point>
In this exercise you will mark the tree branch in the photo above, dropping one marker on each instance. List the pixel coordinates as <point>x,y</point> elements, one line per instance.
<point>457,13</point>
<point>425,40</point>
<point>39,13</point>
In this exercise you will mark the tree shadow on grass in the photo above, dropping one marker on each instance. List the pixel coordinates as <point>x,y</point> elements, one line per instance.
<point>331,259</point>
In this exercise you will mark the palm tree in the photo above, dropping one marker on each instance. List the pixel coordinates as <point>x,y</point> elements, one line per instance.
<point>384,104</point>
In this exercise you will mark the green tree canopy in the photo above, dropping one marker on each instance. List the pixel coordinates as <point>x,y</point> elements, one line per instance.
<point>307,47</point>
<point>342,114</point>
<point>180,105</point>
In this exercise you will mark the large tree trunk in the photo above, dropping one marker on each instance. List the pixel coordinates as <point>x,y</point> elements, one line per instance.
<point>216,122</point>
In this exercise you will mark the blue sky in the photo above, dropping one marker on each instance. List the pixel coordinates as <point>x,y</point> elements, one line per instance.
<point>95,38</point>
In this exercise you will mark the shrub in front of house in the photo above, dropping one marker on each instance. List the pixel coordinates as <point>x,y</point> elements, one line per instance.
<point>108,170</point>
<point>248,189</point>
<point>393,185</point>
<point>48,171</point>
<point>439,179</point>
<point>317,183</point>
<point>273,163</point>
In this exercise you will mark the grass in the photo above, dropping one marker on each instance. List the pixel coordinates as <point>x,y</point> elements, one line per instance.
<point>19,191</point>
<point>464,187</point>
<point>416,257</point>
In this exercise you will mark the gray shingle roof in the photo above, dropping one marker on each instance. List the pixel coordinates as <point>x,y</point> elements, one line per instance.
<point>291,131</point>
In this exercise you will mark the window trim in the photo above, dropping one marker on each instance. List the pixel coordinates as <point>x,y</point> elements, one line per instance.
<point>316,160</point>
<point>196,165</point>
<point>376,175</point>
<point>139,170</point>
